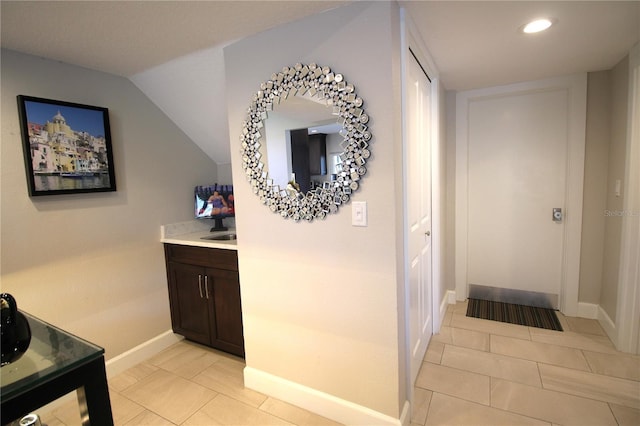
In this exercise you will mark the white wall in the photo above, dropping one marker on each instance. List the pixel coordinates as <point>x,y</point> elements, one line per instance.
<point>277,152</point>
<point>190,90</point>
<point>320,300</point>
<point>93,263</point>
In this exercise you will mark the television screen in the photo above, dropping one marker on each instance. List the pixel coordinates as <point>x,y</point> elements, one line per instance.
<point>214,201</point>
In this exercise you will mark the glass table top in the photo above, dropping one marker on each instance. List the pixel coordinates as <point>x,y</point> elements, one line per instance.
<point>52,353</point>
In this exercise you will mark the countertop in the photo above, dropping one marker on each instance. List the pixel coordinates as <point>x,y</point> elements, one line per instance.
<point>191,233</point>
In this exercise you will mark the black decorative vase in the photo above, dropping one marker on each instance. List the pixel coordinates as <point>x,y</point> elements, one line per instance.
<point>15,330</point>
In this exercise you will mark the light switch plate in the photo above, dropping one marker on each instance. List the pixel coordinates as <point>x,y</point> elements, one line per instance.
<point>359,213</point>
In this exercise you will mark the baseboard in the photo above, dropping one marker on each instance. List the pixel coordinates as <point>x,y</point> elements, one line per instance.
<point>136,355</point>
<point>588,310</point>
<point>318,402</point>
<point>451,297</point>
<point>608,325</point>
<point>448,299</point>
<point>593,311</point>
<point>405,417</point>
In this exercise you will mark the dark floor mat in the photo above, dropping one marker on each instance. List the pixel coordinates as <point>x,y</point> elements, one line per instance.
<point>514,314</point>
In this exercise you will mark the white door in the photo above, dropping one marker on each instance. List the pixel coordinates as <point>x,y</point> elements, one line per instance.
<point>520,146</point>
<point>517,169</point>
<point>418,211</point>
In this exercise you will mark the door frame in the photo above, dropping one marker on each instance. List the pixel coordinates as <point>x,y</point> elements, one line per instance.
<point>576,87</point>
<point>410,39</point>
<point>628,304</point>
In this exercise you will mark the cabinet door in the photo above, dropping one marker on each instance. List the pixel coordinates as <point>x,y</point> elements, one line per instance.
<point>227,311</point>
<point>190,312</point>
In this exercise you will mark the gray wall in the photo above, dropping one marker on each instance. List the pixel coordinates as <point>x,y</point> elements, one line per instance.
<point>93,263</point>
<point>604,164</point>
<point>616,170</point>
<point>598,134</point>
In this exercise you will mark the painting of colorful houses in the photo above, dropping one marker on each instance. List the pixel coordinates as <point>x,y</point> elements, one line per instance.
<point>67,147</point>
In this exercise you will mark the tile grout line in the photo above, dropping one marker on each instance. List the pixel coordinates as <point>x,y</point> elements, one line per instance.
<point>581,351</point>
<point>540,375</point>
<point>490,387</point>
<point>538,367</point>
<point>592,398</point>
<point>272,414</point>
<point>591,370</point>
<point>612,413</point>
<point>429,408</point>
<point>514,413</point>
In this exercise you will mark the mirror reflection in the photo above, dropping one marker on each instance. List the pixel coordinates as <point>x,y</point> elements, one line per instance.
<point>302,143</point>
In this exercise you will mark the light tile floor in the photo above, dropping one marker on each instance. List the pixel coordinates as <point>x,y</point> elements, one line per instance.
<point>475,372</point>
<point>479,372</point>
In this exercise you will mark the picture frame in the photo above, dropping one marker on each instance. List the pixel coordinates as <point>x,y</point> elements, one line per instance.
<point>67,147</point>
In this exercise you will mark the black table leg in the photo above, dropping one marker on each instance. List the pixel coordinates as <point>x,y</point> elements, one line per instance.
<point>93,397</point>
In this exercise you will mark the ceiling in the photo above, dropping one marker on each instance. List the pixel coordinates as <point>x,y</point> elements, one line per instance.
<point>478,44</point>
<point>474,44</point>
<point>127,37</point>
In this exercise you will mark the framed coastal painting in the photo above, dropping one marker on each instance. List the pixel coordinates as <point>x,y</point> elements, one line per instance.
<point>67,147</point>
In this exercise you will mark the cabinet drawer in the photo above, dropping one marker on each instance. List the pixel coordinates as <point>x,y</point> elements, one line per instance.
<point>202,256</point>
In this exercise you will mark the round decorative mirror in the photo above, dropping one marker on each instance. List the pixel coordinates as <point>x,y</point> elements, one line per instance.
<point>305,142</point>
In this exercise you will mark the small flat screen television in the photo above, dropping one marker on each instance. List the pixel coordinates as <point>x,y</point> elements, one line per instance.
<point>214,202</point>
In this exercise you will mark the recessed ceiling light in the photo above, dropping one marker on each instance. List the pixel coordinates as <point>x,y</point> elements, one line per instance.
<point>537,26</point>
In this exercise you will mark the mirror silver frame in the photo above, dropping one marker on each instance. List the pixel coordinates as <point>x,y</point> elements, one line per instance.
<point>335,92</point>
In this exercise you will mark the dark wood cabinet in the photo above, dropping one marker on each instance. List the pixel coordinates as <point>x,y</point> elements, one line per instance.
<point>204,296</point>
